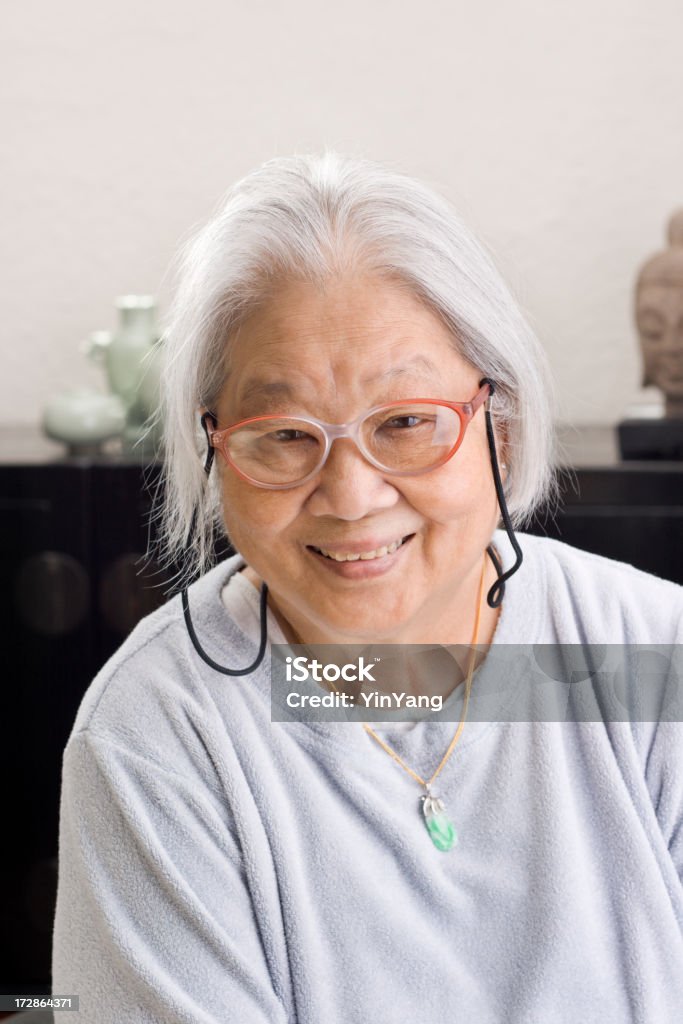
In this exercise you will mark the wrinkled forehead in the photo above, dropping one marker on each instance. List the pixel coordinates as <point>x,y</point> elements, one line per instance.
<point>343,386</point>
<point>270,384</point>
<point>359,340</point>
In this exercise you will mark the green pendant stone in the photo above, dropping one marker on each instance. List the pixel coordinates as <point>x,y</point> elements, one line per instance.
<point>442,831</point>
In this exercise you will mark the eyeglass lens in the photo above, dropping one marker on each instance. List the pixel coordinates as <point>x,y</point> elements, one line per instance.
<point>405,439</point>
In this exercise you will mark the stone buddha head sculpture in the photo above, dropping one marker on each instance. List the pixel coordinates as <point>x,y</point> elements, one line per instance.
<point>659,319</point>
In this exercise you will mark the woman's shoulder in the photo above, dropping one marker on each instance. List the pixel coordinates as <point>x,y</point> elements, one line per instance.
<point>154,680</point>
<point>590,598</point>
<point>574,561</point>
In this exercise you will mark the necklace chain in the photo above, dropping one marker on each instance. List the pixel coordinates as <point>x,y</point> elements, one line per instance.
<point>468,684</point>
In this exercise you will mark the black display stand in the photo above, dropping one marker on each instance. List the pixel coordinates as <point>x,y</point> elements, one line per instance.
<point>651,439</point>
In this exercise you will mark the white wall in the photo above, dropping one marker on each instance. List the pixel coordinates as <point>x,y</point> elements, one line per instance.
<point>556,127</point>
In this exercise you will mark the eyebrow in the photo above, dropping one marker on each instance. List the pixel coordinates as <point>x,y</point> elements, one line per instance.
<point>264,389</point>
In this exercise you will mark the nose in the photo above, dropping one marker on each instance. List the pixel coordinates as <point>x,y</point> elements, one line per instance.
<point>348,486</point>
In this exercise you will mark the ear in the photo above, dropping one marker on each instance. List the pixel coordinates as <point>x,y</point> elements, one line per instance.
<point>206,416</point>
<point>209,424</point>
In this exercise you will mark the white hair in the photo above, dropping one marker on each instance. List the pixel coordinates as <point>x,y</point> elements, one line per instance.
<point>316,217</point>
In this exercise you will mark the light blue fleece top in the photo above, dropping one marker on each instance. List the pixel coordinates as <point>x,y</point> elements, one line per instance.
<point>216,867</point>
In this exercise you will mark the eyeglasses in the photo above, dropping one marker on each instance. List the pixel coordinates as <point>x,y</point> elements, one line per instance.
<point>403,438</point>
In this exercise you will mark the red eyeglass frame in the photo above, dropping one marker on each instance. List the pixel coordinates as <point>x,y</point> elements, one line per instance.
<point>333,431</point>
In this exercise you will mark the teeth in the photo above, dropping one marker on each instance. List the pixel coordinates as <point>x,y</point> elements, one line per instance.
<point>365,556</point>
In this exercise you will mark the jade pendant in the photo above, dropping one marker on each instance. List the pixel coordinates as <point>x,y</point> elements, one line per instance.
<point>441,829</point>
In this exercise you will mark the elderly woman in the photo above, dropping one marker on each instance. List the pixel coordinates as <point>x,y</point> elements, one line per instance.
<point>354,397</point>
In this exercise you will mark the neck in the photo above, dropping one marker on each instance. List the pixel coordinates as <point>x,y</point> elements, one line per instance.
<point>449,620</point>
<point>419,675</point>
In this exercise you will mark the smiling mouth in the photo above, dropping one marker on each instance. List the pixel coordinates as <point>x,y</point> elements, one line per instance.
<point>365,556</point>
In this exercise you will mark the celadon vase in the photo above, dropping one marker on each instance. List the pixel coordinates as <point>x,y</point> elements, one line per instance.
<point>83,419</point>
<point>132,360</point>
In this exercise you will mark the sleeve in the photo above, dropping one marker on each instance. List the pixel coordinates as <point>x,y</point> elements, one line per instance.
<point>154,920</point>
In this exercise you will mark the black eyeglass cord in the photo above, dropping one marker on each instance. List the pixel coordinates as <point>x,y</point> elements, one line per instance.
<point>498,587</point>
<point>208,659</point>
<point>493,598</point>
<point>263,615</point>
<point>210,450</point>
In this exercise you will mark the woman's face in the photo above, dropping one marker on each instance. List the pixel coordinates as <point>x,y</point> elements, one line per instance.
<point>332,353</point>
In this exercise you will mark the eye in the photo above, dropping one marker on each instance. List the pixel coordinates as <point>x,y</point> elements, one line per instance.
<point>401,422</point>
<point>288,434</point>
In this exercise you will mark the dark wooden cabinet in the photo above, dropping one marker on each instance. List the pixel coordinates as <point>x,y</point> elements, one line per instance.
<point>73,538</point>
<point>630,511</point>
